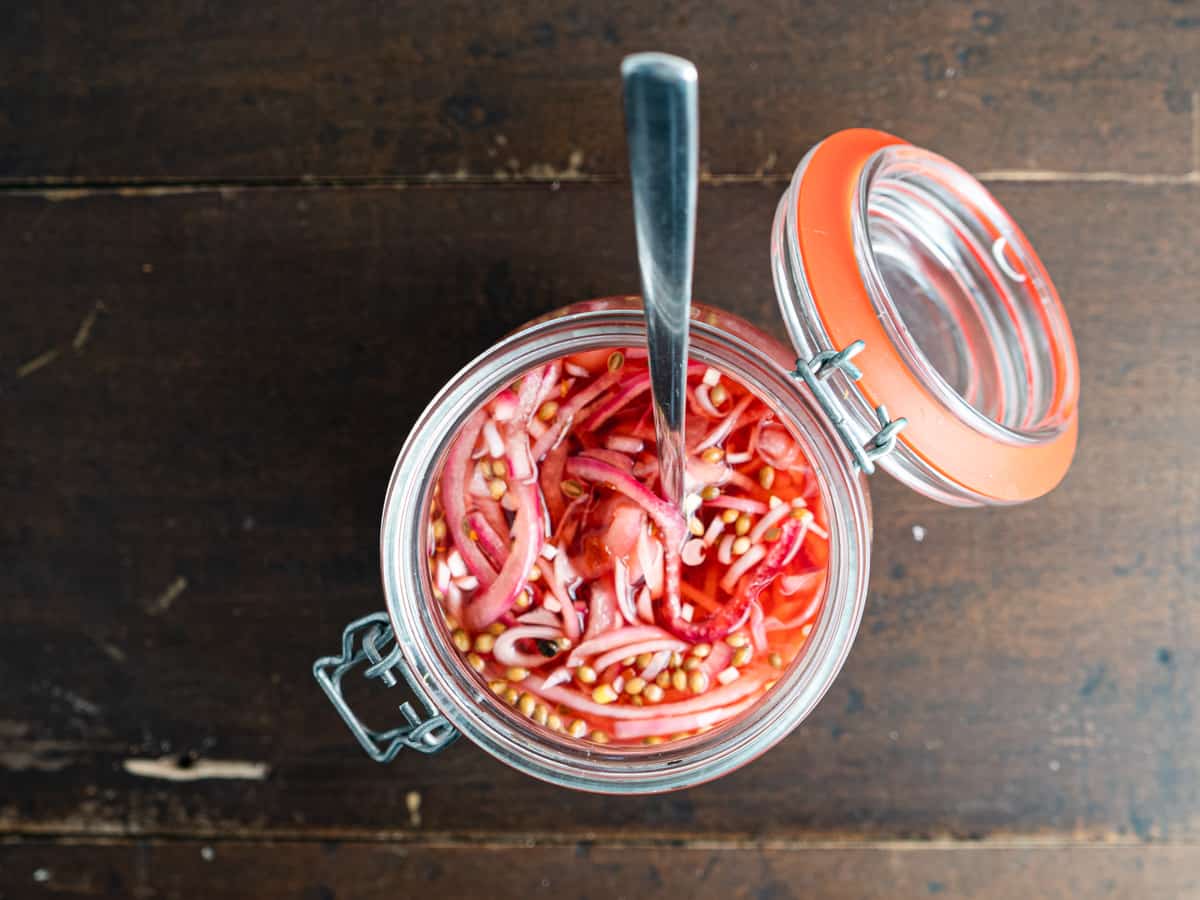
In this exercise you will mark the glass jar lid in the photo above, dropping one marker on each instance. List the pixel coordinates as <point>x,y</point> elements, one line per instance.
<point>965,336</point>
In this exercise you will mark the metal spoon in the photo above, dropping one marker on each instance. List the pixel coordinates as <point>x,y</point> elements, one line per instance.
<point>662,127</point>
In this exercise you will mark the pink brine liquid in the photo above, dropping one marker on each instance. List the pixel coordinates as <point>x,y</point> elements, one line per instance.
<point>589,603</point>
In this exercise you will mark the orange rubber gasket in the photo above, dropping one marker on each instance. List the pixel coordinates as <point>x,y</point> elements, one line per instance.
<point>1006,472</point>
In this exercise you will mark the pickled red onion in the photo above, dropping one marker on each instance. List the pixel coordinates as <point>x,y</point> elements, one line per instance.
<point>566,517</point>
<point>567,412</point>
<point>743,504</point>
<point>653,646</point>
<point>603,614</point>
<point>732,615</point>
<point>453,497</point>
<point>719,433</point>
<point>711,699</point>
<point>614,639</point>
<point>680,723</point>
<point>489,541</point>
<point>505,649</point>
<point>498,597</point>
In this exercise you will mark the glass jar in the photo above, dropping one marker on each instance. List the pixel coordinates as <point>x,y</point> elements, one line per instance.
<point>905,288</point>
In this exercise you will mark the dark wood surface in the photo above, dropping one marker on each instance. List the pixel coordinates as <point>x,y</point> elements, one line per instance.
<point>205,380</point>
<point>310,871</point>
<point>467,88</point>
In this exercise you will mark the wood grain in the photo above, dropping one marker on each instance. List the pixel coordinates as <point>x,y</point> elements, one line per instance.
<point>191,501</point>
<point>263,871</point>
<point>457,89</point>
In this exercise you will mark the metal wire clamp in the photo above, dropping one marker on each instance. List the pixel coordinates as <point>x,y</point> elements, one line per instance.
<point>426,733</point>
<point>815,373</point>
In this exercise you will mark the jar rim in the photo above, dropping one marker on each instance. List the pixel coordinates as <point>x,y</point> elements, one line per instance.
<point>832,293</point>
<point>460,694</point>
<point>962,224</point>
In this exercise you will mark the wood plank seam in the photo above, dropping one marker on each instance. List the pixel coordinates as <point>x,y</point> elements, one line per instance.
<point>62,190</point>
<point>509,840</point>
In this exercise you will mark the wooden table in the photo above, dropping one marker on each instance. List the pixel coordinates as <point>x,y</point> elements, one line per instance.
<point>242,246</point>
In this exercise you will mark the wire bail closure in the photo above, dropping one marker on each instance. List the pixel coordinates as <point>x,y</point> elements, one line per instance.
<point>815,373</point>
<point>426,733</point>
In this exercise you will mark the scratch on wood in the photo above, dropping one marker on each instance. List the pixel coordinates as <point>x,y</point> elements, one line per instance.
<point>38,362</point>
<point>67,194</point>
<point>85,327</point>
<point>12,729</point>
<point>172,768</point>
<point>1196,133</point>
<point>412,800</point>
<point>163,601</point>
<point>37,756</point>
<point>546,171</point>
<point>113,652</point>
<point>78,704</point>
<point>767,164</point>
<point>19,753</point>
<point>1081,740</point>
<point>1048,175</point>
<point>717,179</point>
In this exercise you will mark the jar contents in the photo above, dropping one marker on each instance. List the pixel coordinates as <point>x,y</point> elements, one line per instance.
<point>587,601</point>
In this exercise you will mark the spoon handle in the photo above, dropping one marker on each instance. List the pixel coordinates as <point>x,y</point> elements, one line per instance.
<point>662,126</point>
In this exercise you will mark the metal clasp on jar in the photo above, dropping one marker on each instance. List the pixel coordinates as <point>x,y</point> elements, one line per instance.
<point>378,649</point>
<point>815,373</point>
